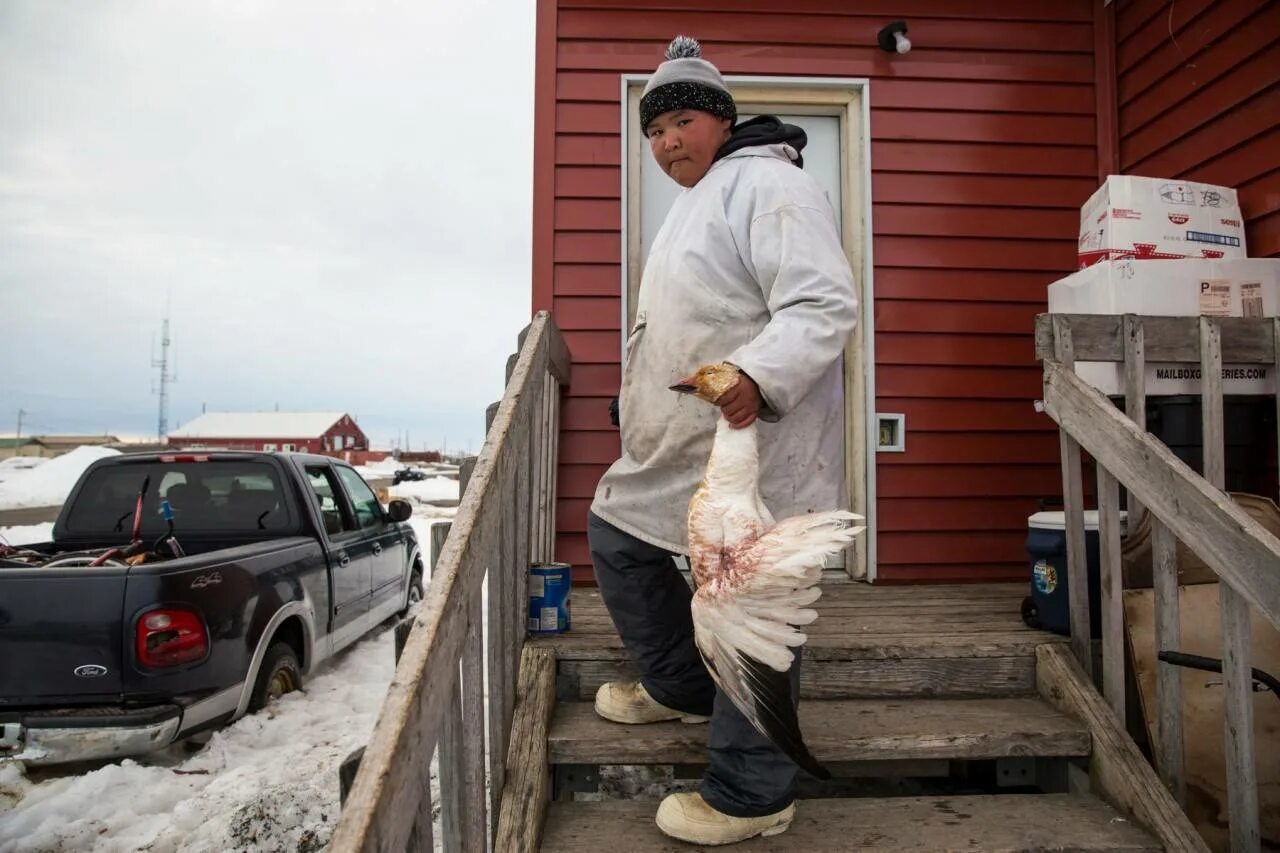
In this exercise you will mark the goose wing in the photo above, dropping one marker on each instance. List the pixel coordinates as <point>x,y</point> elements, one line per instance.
<point>744,620</point>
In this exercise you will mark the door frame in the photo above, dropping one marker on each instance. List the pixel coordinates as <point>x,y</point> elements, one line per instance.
<point>847,98</point>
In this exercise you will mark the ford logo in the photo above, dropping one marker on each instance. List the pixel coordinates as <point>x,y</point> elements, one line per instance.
<point>91,670</point>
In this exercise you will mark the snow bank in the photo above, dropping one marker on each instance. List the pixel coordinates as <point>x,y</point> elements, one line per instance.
<point>49,483</point>
<point>379,470</point>
<point>17,464</point>
<point>27,534</point>
<point>421,491</point>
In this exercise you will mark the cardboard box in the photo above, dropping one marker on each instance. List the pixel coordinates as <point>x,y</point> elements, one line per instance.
<point>1175,288</point>
<point>1157,219</point>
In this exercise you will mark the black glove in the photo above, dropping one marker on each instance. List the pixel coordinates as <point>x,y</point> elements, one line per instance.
<point>613,412</point>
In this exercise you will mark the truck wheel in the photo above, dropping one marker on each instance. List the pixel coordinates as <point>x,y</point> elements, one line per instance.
<point>416,592</point>
<point>280,674</point>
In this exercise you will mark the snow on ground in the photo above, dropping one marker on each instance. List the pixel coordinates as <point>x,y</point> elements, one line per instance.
<point>49,483</point>
<point>269,782</point>
<point>26,534</point>
<point>18,464</point>
<point>379,470</point>
<point>421,491</point>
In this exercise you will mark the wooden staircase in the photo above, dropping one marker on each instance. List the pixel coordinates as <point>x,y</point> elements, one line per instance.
<point>939,688</point>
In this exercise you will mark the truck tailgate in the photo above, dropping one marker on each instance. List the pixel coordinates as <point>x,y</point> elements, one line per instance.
<point>60,635</point>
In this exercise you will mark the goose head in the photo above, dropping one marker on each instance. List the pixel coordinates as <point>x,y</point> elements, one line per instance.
<point>710,382</point>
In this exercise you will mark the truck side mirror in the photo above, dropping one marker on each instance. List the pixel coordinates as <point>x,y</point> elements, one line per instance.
<point>399,510</point>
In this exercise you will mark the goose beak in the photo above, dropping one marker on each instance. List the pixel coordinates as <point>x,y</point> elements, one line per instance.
<point>685,386</point>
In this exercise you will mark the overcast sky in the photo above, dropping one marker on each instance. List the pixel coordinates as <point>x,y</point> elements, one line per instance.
<point>334,195</point>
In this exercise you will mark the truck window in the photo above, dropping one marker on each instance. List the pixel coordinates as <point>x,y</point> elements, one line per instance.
<point>221,496</point>
<point>368,510</point>
<point>325,489</point>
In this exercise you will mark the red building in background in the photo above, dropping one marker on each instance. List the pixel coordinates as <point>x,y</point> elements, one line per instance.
<point>330,433</point>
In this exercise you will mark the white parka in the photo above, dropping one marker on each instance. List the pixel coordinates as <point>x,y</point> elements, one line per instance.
<point>746,268</point>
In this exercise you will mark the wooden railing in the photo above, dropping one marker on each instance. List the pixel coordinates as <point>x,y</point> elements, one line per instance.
<point>1184,506</point>
<point>437,698</point>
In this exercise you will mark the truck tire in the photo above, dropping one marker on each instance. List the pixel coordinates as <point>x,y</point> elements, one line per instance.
<point>416,591</point>
<point>278,675</point>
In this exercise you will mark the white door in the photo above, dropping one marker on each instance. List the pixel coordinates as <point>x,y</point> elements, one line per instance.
<point>831,114</point>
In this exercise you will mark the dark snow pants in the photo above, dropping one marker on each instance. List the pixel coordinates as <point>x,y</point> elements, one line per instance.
<point>648,599</point>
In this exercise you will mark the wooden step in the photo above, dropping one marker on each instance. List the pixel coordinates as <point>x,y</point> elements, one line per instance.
<point>922,668</point>
<point>869,642</point>
<point>841,730</point>
<point>991,824</point>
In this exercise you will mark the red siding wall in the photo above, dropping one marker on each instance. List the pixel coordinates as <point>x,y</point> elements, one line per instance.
<point>1198,86</point>
<point>983,149</point>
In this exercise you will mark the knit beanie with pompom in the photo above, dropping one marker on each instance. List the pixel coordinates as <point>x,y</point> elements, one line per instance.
<point>686,81</point>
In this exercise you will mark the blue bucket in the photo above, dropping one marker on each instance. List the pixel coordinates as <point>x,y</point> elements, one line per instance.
<point>549,587</point>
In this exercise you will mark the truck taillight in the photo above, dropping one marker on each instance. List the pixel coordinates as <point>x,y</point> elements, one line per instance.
<point>169,637</point>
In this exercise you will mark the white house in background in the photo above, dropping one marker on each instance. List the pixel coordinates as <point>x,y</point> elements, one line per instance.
<point>304,432</point>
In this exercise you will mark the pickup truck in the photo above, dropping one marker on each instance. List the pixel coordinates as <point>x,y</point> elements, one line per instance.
<point>181,591</point>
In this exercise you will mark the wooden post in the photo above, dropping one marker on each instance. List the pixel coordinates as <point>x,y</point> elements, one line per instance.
<point>1135,392</point>
<point>439,533</point>
<point>451,767</point>
<point>1113,665</point>
<point>1164,559</point>
<point>1073,500</point>
<point>1242,773</point>
<point>422,835</point>
<point>524,799</point>
<point>475,807</point>
<point>1211,402</point>
<point>553,463</point>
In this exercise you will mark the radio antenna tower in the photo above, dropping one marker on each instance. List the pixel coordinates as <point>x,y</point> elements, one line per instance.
<point>162,364</point>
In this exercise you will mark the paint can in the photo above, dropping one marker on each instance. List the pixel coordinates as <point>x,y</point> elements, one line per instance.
<point>549,587</point>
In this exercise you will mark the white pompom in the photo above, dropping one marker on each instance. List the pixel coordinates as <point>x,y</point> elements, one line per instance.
<point>684,47</point>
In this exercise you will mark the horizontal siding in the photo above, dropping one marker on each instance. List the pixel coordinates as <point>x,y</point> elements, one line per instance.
<point>1199,93</point>
<point>983,148</point>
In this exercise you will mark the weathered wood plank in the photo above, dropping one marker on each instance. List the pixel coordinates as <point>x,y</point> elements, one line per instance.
<point>1213,441</point>
<point>844,647</point>
<point>1112,591</point>
<point>559,361</point>
<point>553,455</point>
<point>390,786</point>
<point>1233,543</point>
<point>528,788</point>
<point>1100,337</point>
<point>475,805</point>
<point>1118,771</point>
<point>1073,504</point>
<point>422,834</point>
<point>451,768</point>
<point>956,676</point>
<point>965,824</point>
<point>864,623</point>
<point>1135,392</point>
<point>960,598</point>
<point>1242,773</point>
<point>501,679</point>
<point>1170,751</point>
<point>508,569</point>
<point>439,533</point>
<point>841,730</point>
<point>1238,731</point>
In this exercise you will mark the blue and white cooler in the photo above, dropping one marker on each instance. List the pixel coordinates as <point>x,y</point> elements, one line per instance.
<point>1049,605</point>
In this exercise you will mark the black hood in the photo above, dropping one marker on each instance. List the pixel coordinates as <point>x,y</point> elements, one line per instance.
<point>764,130</point>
